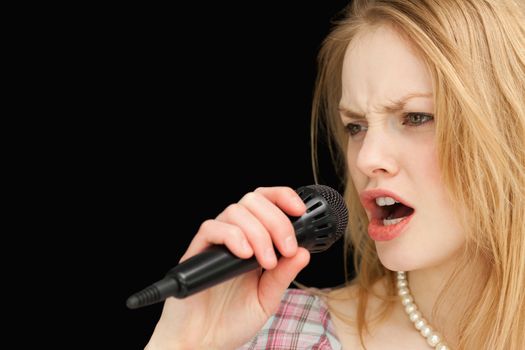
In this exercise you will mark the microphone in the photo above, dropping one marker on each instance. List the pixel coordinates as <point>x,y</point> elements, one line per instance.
<point>323,223</point>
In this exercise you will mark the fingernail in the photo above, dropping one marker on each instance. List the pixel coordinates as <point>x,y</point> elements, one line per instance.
<point>289,244</point>
<point>245,246</point>
<point>269,255</point>
<point>299,201</point>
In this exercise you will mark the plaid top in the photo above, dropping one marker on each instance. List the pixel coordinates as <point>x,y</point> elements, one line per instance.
<point>301,322</point>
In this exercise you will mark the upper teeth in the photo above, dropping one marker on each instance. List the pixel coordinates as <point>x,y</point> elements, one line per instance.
<point>382,201</point>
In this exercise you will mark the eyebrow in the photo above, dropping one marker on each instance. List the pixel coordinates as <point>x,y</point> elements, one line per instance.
<point>393,107</point>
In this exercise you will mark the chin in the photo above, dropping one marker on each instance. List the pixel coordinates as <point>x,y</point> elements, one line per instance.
<point>401,260</point>
<point>397,265</point>
<point>398,259</point>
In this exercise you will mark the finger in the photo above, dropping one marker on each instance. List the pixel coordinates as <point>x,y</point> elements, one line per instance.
<point>285,198</point>
<point>274,220</point>
<point>217,232</point>
<point>273,283</point>
<point>255,232</point>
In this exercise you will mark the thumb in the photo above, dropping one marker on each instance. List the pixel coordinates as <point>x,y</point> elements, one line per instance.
<point>273,283</point>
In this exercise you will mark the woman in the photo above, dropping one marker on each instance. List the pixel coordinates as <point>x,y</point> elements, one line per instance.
<point>425,101</point>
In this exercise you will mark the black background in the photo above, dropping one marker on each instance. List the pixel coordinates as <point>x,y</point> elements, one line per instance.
<point>191,107</point>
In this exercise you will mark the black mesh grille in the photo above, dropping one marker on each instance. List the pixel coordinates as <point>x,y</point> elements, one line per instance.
<point>337,203</point>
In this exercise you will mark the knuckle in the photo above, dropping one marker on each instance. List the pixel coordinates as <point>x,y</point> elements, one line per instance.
<point>232,209</point>
<point>260,189</point>
<point>234,231</point>
<point>250,197</point>
<point>207,225</point>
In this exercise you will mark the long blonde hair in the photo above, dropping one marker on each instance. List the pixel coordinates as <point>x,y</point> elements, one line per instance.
<point>475,52</point>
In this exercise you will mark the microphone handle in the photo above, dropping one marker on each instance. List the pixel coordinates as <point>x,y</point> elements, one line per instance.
<point>211,267</point>
<point>217,264</point>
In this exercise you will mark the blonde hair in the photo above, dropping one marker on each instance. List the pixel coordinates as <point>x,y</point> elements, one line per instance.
<point>475,52</point>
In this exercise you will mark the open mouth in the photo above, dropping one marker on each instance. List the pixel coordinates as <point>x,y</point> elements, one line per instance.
<point>387,210</point>
<point>391,214</point>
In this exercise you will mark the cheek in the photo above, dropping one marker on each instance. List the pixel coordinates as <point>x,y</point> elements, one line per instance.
<point>358,178</point>
<point>428,167</point>
<point>431,186</point>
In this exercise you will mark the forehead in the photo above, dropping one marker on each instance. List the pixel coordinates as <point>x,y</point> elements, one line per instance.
<point>380,64</point>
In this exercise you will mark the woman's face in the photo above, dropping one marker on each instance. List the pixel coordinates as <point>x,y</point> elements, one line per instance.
<point>387,108</point>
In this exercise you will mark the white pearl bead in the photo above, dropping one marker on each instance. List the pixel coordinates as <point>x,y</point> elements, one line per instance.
<point>403,291</point>
<point>406,299</point>
<point>420,323</point>
<point>414,316</point>
<point>433,339</point>
<point>410,308</point>
<point>426,331</point>
<point>402,283</point>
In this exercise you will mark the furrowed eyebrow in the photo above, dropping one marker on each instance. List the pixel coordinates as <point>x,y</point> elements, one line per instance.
<point>350,114</point>
<point>393,107</point>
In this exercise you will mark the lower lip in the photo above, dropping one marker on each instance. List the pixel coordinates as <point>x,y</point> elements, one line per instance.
<point>379,232</point>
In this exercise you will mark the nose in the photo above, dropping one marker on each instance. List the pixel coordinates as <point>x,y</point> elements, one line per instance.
<point>377,155</point>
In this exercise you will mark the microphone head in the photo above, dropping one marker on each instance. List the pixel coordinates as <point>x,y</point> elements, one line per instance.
<point>325,219</point>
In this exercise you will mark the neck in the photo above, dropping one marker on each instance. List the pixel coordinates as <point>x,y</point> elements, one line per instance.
<point>426,285</point>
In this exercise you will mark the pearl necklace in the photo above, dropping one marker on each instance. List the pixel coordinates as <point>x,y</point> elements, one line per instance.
<point>434,339</point>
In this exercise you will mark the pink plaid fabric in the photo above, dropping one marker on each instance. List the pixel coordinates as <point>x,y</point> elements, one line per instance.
<point>301,322</point>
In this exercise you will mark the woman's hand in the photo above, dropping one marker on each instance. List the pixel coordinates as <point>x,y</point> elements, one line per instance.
<point>229,314</point>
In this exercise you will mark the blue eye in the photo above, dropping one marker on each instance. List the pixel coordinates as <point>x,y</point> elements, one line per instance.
<point>354,129</point>
<point>416,119</point>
